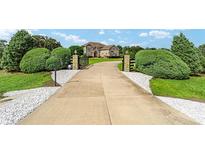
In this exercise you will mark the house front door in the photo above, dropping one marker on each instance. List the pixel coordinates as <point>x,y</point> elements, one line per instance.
<point>95,54</point>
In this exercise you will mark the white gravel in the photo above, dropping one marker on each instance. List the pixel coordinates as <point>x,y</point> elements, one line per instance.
<point>193,109</point>
<point>140,79</point>
<point>64,76</point>
<point>24,102</point>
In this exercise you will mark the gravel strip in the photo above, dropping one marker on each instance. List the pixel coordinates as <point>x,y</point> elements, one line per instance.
<point>24,103</point>
<point>64,76</point>
<point>193,109</point>
<point>140,79</point>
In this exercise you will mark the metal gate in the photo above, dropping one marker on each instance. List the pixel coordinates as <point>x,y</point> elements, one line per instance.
<point>83,61</point>
<point>131,64</point>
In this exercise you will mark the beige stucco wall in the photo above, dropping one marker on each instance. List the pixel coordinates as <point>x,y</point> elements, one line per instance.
<point>104,53</point>
<point>114,53</point>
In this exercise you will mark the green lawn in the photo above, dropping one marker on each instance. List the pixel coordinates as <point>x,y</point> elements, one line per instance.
<point>119,66</point>
<point>19,81</point>
<point>98,60</point>
<point>193,88</point>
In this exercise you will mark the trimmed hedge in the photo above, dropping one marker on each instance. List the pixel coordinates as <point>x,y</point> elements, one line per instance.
<point>161,64</point>
<point>53,63</point>
<point>34,60</point>
<point>60,58</point>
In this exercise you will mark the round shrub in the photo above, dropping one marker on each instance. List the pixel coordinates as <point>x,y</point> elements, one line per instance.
<point>161,64</point>
<point>53,63</point>
<point>61,60</point>
<point>34,60</point>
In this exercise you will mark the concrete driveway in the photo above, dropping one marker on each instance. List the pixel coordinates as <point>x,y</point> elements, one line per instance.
<point>103,95</point>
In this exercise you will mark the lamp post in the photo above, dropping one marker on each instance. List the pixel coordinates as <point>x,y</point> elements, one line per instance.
<point>69,67</point>
<point>55,74</point>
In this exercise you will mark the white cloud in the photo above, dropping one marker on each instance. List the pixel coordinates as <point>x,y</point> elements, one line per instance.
<point>30,31</point>
<point>158,34</point>
<point>104,42</point>
<point>117,31</point>
<point>73,38</point>
<point>6,34</point>
<point>135,44</point>
<point>110,39</point>
<point>101,32</point>
<point>122,42</point>
<point>42,34</point>
<point>143,34</point>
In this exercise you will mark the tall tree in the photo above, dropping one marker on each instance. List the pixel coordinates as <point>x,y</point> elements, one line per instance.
<point>79,49</point>
<point>45,42</point>
<point>20,43</point>
<point>132,50</point>
<point>2,47</point>
<point>202,49</point>
<point>185,49</point>
<point>120,50</point>
<point>201,52</point>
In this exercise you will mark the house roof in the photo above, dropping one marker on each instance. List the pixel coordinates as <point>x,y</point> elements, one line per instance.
<point>107,47</point>
<point>96,44</point>
<point>100,46</point>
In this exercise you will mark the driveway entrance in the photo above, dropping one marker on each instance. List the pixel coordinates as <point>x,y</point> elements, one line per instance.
<point>103,95</point>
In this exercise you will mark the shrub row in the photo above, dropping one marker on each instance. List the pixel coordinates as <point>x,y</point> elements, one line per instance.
<point>41,59</point>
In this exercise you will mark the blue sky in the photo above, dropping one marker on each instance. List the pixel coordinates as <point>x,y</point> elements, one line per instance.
<point>159,38</point>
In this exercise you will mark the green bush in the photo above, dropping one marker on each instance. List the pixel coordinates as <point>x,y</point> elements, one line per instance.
<point>161,64</point>
<point>34,60</point>
<point>53,63</point>
<point>60,58</point>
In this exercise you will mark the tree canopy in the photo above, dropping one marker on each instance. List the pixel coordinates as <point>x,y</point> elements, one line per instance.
<point>78,48</point>
<point>185,49</point>
<point>45,42</point>
<point>131,50</point>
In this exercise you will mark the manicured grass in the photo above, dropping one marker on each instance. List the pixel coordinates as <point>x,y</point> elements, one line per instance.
<point>19,81</point>
<point>119,66</point>
<point>98,60</point>
<point>193,88</point>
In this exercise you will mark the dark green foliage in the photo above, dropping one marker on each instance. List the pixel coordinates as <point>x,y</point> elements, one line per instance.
<point>164,49</point>
<point>45,42</point>
<point>131,50</point>
<point>161,64</point>
<point>185,49</point>
<point>2,47</point>
<point>79,49</point>
<point>202,49</point>
<point>19,44</point>
<point>35,60</point>
<point>84,61</point>
<point>60,58</point>
<point>202,59</point>
<point>120,50</point>
<point>201,52</point>
<point>53,63</point>
<point>148,48</point>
